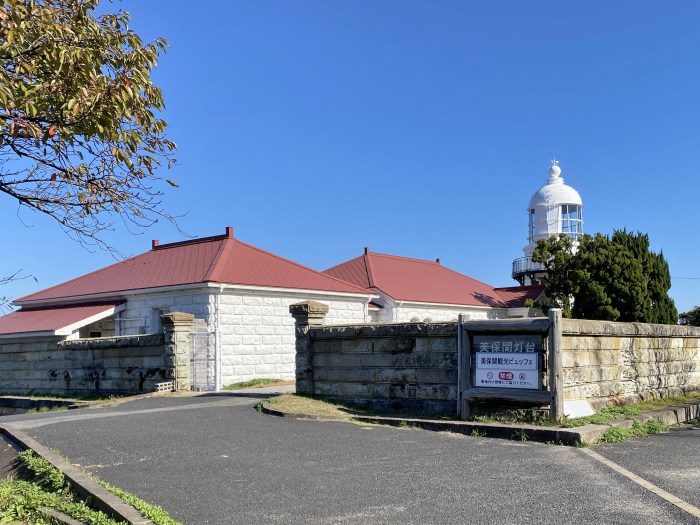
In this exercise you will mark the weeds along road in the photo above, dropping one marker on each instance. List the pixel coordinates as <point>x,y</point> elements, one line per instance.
<point>215,460</point>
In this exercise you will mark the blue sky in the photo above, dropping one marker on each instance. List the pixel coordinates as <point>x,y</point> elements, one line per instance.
<point>316,128</point>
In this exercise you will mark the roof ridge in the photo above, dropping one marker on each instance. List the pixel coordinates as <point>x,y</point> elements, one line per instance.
<point>526,286</point>
<point>196,240</point>
<point>215,269</point>
<point>364,290</point>
<point>368,269</point>
<point>427,261</point>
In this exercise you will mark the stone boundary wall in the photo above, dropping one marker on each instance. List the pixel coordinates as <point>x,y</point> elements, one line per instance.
<point>396,366</point>
<point>413,366</point>
<point>109,365</point>
<point>616,363</point>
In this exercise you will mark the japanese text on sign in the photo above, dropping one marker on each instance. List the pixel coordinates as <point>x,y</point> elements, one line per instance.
<point>517,362</point>
<point>508,343</point>
<point>507,360</point>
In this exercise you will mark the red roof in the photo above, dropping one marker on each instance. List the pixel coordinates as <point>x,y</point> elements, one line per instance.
<point>220,259</point>
<point>416,280</point>
<point>515,296</point>
<point>50,319</point>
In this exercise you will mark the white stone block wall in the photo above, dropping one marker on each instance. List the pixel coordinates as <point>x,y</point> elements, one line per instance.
<point>257,332</point>
<point>142,311</point>
<point>404,314</point>
<point>104,326</point>
<point>385,314</point>
<point>398,312</point>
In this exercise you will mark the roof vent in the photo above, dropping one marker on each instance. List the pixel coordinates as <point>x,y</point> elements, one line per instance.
<point>229,232</point>
<point>366,250</point>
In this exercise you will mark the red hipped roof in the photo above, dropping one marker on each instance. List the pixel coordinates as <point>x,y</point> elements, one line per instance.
<point>515,296</point>
<point>220,259</point>
<point>50,321</point>
<point>416,280</point>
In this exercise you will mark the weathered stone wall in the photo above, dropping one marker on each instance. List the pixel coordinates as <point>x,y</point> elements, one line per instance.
<point>414,365</point>
<point>405,366</point>
<point>608,362</point>
<point>113,364</point>
<point>107,365</point>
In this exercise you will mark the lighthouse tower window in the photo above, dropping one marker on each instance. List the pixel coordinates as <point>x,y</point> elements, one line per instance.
<point>571,221</point>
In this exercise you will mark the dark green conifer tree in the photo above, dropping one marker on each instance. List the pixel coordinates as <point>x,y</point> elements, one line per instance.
<point>616,278</point>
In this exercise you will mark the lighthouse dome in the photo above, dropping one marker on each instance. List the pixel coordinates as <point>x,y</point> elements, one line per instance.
<point>555,192</point>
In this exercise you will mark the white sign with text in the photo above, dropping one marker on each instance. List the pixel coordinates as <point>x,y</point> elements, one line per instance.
<point>506,370</point>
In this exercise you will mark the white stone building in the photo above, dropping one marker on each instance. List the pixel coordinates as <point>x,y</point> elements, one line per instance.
<point>554,209</point>
<point>420,290</point>
<point>238,294</point>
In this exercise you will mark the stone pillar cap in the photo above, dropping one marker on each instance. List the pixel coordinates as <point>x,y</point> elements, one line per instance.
<point>308,307</point>
<point>177,317</point>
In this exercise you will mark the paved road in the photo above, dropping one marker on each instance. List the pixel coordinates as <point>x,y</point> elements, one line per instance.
<point>215,460</point>
<point>670,460</point>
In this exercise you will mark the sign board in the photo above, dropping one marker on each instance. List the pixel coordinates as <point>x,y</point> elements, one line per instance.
<point>507,361</point>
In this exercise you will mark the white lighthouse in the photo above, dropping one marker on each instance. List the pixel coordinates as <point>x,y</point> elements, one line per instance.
<point>555,208</point>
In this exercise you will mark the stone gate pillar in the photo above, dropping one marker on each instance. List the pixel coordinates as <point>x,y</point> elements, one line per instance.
<point>306,315</point>
<point>177,327</point>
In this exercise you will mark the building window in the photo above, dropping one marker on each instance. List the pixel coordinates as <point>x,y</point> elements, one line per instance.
<point>531,225</point>
<point>571,220</point>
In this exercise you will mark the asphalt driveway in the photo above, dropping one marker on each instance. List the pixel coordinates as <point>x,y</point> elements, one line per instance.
<point>215,460</point>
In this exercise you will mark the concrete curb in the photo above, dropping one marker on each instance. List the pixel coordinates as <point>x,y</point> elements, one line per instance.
<point>83,485</point>
<point>587,434</point>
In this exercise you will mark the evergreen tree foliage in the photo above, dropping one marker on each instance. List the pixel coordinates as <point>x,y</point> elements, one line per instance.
<point>614,278</point>
<point>691,317</point>
<point>557,256</point>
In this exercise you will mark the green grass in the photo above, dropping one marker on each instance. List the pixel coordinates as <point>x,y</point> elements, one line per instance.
<point>298,404</point>
<point>153,512</point>
<point>318,405</point>
<point>89,397</point>
<point>41,410</point>
<point>255,383</point>
<point>605,415</point>
<point>45,486</point>
<point>664,402</point>
<point>21,500</point>
<point>616,434</point>
<point>629,411</point>
<point>513,417</point>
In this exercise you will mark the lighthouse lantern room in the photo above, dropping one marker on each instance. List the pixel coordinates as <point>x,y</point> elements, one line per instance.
<point>555,208</point>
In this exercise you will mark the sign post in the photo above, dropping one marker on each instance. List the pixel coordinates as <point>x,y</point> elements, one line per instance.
<point>505,360</point>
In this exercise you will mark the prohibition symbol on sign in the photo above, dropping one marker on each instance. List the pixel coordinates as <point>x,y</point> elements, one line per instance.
<point>489,375</point>
<point>522,377</point>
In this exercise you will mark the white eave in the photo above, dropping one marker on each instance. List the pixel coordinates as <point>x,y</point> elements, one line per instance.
<point>121,294</point>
